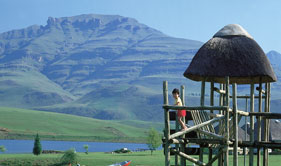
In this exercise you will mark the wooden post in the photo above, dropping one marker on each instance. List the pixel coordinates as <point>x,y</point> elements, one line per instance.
<point>211,104</point>
<point>259,122</point>
<point>226,122</point>
<point>202,100</point>
<point>167,124</point>
<point>220,157</point>
<point>252,109</point>
<point>235,125</point>
<point>182,146</point>
<point>246,133</point>
<point>268,121</point>
<point>266,134</point>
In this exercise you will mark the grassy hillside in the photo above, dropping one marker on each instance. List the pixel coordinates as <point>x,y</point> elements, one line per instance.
<point>24,124</point>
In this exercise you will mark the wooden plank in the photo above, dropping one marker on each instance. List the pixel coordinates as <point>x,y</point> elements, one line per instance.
<point>266,115</point>
<point>248,97</point>
<point>210,134</point>
<point>199,108</point>
<point>191,159</point>
<point>196,140</point>
<point>235,125</point>
<point>196,127</point>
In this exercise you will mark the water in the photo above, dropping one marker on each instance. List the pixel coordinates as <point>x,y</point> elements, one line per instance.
<point>26,146</point>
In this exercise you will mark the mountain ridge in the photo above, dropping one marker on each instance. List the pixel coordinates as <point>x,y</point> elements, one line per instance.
<point>101,66</point>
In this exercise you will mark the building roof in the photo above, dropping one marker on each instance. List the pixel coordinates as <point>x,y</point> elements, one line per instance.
<point>231,52</point>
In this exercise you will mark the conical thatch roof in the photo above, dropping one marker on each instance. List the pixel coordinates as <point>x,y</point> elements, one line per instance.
<point>231,52</point>
<point>274,130</point>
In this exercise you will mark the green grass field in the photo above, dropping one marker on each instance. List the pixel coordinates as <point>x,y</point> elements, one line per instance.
<point>104,159</point>
<point>24,124</point>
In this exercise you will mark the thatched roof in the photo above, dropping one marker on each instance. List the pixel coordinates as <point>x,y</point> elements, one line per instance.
<point>274,132</point>
<point>231,52</point>
<point>241,133</point>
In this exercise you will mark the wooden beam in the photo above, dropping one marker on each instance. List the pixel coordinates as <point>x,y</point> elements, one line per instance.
<point>200,108</point>
<point>197,141</point>
<point>210,134</point>
<point>266,115</point>
<point>220,91</point>
<point>191,159</point>
<point>214,158</point>
<point>196,127</point>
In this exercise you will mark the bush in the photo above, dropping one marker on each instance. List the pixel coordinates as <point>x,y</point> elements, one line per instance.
<point>86,147</point>
<point>69,156</point>
<point>2,148</point>
<point>37,149</point>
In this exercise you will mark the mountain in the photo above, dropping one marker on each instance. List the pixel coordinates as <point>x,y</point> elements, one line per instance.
<point>100,66</point>
<point>83,64</point>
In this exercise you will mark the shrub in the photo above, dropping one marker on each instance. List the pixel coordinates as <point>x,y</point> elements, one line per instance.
<point>69,156</point>
<point>37,149</point>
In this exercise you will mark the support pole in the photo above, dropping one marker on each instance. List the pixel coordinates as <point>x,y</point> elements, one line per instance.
<point>182,146</point>
<point>268,110</point>
<point>220,157</point>
<point>202,100</point>
<point>266,134</point>
<point>246,133</point>
<point>259,123</point>
<point>211,104</point>
<point>226,122</point>
<point>235,125</point>
<point>167,124</point>
<point>252,109</point>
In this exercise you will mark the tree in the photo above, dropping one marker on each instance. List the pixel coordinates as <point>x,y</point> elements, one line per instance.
<point>69,157</point>
<point>2,148</point>
<point>37,149</point>
<point>86,147</point>
<point>153,140</point>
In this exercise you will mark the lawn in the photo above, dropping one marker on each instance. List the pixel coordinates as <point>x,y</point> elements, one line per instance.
<point>104,159</point>
<point>20,124</point>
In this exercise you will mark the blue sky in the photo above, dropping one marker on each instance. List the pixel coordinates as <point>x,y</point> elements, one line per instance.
<point>190,19</point>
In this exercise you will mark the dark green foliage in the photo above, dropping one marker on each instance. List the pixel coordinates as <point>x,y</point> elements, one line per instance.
<point>37,149</point>
<point>153,139</point>
<point>69,156</point>
<point>2,148</point>
<point>86,147</point>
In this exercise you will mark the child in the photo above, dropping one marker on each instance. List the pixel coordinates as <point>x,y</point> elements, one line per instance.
<point>181,113</point>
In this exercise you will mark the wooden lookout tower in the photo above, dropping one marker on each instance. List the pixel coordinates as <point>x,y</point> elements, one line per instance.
<point>231,58</point>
